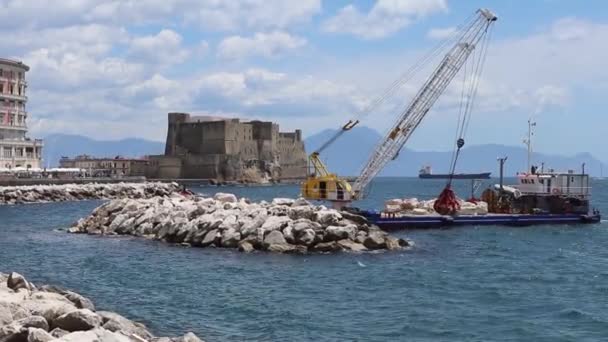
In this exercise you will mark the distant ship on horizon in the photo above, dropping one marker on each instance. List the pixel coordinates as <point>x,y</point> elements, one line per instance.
<point>426,172</point>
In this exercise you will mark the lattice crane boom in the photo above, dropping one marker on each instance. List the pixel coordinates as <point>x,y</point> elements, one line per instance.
<point>435,85</point>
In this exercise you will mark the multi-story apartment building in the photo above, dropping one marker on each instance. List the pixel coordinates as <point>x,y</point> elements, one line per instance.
<point>16,149</point>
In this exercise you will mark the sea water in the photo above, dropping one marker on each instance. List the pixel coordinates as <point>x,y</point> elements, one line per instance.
<point>542,283</point>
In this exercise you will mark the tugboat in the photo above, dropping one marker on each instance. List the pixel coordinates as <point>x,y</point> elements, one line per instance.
<point>426,172</point>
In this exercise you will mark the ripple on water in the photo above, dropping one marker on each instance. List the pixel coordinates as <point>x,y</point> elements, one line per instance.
<point>465,284</point>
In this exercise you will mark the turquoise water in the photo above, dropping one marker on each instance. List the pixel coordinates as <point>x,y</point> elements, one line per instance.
<point>544,283</point>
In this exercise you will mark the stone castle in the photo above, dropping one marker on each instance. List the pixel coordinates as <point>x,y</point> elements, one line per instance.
<point>203,147</point>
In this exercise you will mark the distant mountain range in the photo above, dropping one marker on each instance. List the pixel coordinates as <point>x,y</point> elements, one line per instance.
<point>349,153</point>
<point>345,157</point>
<point>58,145</point>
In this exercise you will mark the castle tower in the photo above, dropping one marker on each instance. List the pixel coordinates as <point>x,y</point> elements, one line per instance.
<point>16,149</point>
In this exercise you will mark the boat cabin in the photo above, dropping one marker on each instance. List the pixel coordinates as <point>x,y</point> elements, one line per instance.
<point>554,184</point>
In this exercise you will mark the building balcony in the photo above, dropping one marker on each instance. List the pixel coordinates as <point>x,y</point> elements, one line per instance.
<point>22,143</point>
<point>26,158</point>
<point>16,97</point>
<point>15,127</point>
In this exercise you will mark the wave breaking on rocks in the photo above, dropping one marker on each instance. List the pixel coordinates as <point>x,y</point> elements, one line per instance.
<point>79,192</point>
<point>31,313</point>
<point>283,225</point>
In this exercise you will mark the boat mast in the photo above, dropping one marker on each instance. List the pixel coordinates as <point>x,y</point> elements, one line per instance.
<point>528,142</point>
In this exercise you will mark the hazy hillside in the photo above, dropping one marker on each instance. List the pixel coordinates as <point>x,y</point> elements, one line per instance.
<point>347,155</point>
<point>58,145</point>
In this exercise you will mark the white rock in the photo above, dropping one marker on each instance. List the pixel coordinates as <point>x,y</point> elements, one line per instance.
<point>328,217</point>
<point>275,223</point>
<point>335,233</point>
<point>288,234</point>
<point>283,201</point>
<point>230,238</point>
<point>78,320</point>
<point>306,237</point>
<point>225,198</point>
<point>274,237</point>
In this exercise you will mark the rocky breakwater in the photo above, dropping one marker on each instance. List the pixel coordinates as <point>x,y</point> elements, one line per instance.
<point>77,192</point>
<point>30,313</point>
<point>283,225</point>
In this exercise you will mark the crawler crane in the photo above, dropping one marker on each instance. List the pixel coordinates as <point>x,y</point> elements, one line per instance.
<point>321,184</point>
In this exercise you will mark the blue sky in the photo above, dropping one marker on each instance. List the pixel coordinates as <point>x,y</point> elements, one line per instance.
<point>113,69</point>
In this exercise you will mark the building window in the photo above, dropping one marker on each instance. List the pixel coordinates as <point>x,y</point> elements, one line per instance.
<point>1,87</point>
<point>18,152</point>
<point>1,73</point>
<point>10,88</point>
<point>8,152</point>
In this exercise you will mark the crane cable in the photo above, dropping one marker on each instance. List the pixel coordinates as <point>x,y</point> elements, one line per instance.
<point>399,82</point>
<point>467,101</point>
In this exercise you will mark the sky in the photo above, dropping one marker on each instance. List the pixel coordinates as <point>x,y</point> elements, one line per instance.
<point>114,69</point>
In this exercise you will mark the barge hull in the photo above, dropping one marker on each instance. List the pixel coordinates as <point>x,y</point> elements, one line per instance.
<point>485,175</point>
<point>437,221</point>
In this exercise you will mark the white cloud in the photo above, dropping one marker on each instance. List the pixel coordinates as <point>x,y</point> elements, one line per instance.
<point>257,14</point>
<point>385,18</point>
<point>208,14</point>
<point>164,47</point>
<point>441,33</point>
<point>261,44</point>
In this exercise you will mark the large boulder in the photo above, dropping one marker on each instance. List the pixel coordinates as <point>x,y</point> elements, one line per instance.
<point>288,234</point>
<point>300,202</point>
<point>78,320</point>
<point>328,217</point>
<point>375,240</point>
<point>305,237</point>
<point>34,322</point>
<point>358,219</point>
<point>301,212</point>
<point>283,201</point>
<point>352,246</point>
<point>335,233</point>
<point>80,301</point>
<point>16,281</point>
<point>95,335</point>
<point>225,198</point>
<point>38,335</point>
<point>48,308</point>
<point>326,247</point>
<point>276,223</point>
<point>6,315</point>
<point>230,238</point>
<point>246,247</point>
<point>275,237</point>
<point>281,248</point>
<point>189,337</point>
<point>114,322</point>
<point>211,238</point>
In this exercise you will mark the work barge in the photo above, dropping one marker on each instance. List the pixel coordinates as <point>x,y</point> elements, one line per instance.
<point>538,198</point>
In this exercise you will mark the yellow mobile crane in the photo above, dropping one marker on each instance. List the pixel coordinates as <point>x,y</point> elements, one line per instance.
<point>321,184</point>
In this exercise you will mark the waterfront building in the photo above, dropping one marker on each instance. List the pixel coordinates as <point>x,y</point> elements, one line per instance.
<point>106,167</point>
<point>16,149</point>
